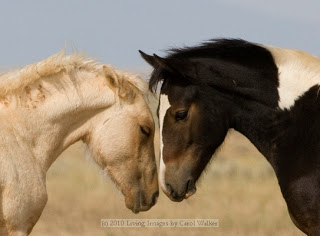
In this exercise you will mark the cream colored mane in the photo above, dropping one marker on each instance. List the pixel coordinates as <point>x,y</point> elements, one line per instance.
<point>127,83</point>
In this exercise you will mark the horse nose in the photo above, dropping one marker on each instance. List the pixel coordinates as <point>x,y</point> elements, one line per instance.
<point>188,190</point>
<point>191,188</point>
<point>174,196</point>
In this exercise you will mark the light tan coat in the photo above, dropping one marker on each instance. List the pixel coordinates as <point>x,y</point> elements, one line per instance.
<point>46,107</point>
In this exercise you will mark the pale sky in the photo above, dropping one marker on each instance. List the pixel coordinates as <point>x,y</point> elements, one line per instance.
<point>113,31</point>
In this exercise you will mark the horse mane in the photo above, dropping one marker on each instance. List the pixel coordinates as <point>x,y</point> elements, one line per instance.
<point>204,50</point>
<point>208,48</point>
<point>62,63</point>
<point>239,51</point>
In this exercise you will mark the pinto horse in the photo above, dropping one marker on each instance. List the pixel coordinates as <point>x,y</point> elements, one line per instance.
<point>46,107</point>
<point>270,95</point>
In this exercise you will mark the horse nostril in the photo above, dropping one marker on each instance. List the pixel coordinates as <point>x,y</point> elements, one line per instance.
<point>190,186</point>
<point>171,191</point>
<point>169,188</point>
<point>155,197</point>
<point>173,195</point>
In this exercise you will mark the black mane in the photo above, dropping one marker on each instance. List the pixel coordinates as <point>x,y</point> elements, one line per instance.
<point>212,47</point>
<point>238,51</point>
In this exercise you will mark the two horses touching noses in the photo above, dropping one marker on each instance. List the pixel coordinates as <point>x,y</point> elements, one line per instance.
<point>268,94</point>
<point>46,107</point>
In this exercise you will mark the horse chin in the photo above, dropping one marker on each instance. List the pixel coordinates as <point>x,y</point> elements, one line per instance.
<point>132,204</point>
<point>136,205</point>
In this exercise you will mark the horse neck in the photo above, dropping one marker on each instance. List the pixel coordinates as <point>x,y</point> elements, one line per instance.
<point>53,113</point>
<point>259,126</point>
<point>254,112</point>
<point>272,104</point>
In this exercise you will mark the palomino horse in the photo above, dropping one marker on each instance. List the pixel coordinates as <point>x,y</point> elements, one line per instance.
<point>46,107</point>
<point>270,95</point>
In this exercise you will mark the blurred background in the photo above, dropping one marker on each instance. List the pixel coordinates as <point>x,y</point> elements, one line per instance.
<point>239,187</point>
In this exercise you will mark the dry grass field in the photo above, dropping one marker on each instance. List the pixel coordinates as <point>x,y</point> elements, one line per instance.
<point>239,188</point>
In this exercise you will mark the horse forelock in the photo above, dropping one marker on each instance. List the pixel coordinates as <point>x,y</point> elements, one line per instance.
<point>156,78</point>
<point>134,84</point>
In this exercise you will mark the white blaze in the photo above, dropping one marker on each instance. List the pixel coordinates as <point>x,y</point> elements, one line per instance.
<point>164,106</point>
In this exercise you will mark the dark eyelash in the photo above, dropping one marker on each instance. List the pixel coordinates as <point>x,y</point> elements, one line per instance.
<point>145,130</point>
<point>181,115</point>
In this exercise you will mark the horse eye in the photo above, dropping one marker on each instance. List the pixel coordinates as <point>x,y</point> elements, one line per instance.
<point>181,115</point>
<point>145,130</point>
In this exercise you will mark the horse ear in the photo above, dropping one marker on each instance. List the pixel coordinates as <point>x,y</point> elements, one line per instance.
<point>183,67</point>
<point>111,75</point>
<point>164,63</point>
<point>148,58</point>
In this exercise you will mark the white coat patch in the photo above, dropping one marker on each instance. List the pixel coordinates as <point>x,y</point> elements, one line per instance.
<point>298,72</point>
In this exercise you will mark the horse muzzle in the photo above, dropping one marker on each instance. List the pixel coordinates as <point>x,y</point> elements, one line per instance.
<point>140,203</point>
<point>177,194</point>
